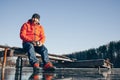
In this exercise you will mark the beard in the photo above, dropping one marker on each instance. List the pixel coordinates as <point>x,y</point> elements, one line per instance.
<point>35,21</point>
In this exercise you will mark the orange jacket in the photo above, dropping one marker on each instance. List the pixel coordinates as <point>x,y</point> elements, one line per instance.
<point>32,32</point>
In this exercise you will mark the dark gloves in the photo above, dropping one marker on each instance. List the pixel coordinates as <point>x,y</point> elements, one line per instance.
<point>36,43</point>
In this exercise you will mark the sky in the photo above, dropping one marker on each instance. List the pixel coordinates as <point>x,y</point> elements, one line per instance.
<point>70,25</point>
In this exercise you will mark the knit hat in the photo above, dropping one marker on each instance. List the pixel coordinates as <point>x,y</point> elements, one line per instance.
<point>35,15</point>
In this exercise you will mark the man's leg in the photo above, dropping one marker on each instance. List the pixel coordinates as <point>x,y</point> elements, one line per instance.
<point>29,48</point>
<point>42,50</point>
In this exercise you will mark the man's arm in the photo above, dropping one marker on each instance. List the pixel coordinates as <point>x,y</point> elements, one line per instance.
<point>23,34</point>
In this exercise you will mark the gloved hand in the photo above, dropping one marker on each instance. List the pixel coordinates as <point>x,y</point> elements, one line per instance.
<point>36,43</point>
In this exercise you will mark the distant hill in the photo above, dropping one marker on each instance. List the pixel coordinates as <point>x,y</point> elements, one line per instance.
<point>109,51</point>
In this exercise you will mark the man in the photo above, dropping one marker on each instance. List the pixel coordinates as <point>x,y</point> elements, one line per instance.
<point>33,37</point>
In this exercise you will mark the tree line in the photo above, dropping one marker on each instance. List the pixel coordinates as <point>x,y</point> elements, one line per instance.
<point>110,51</point>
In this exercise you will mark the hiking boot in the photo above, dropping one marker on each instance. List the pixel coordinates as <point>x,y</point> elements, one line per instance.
<point>49,67</point>
<point>36,67</point>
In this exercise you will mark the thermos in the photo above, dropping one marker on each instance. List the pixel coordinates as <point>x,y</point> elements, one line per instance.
<point>18,73</point>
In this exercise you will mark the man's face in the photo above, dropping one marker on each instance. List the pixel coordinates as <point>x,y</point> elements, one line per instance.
<point>35,20</point>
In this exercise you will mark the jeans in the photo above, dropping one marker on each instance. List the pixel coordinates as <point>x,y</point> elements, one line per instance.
<point>31,50</point>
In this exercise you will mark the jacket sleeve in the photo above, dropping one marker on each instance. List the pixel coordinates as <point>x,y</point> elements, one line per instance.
<point>23,34</point>
<point>42,35</point>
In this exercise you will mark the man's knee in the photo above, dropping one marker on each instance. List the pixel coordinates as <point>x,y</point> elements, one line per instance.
<point>27,45</point>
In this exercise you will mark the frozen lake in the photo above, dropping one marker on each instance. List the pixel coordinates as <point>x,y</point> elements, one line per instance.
<point>64,74</point>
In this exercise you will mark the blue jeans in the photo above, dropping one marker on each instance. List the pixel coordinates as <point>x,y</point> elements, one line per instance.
<point>31,50</point>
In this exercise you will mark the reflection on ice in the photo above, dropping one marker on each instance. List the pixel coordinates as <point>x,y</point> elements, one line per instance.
<point>106,74</point>
<point>63,74</point>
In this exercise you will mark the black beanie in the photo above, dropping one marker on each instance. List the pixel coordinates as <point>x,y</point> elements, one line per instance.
<point>36,16</point>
